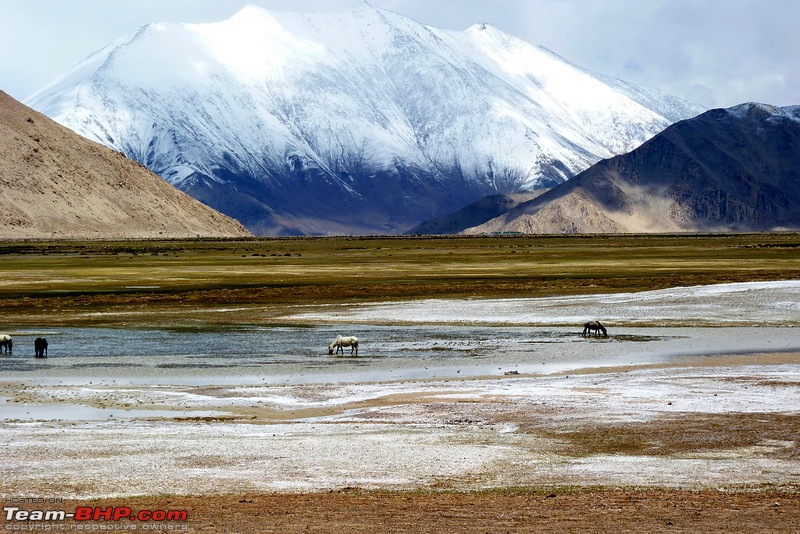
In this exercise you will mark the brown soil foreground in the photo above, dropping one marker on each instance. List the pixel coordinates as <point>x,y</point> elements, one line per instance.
<point>556,510</point>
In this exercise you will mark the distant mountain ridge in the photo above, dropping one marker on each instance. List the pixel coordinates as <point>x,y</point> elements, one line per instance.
<point>361,121</point>
<point>735,169</point>
<point>473,214</point>
<point>57,184</point>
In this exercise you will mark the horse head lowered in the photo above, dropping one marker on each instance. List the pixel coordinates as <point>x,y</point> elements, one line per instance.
<point>344,341</point>
<point>596,327</point>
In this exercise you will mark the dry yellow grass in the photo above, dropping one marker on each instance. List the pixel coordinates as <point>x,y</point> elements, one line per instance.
<point>60,282</point>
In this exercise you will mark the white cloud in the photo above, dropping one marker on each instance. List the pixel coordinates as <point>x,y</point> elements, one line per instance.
<point>717,52</point>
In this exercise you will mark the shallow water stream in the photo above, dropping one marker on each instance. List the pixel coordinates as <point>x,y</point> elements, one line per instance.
<point>258,354</point>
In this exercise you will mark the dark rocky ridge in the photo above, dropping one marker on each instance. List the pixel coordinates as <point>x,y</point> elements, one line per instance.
<point>735,169</point>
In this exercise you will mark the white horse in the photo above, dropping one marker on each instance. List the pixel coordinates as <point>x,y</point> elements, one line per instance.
<point>5,343</point>
<point>344,341</point>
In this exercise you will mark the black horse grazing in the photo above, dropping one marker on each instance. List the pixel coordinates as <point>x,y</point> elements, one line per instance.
<point>6,343</point>
<point>40,346</point>
<point>594,326</point>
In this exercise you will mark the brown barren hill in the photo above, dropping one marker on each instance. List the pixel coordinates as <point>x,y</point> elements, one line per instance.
<point>55,183</point>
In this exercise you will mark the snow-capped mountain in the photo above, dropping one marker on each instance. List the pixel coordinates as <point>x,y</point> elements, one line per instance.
<point>726,170</point>
<point>361,121</point>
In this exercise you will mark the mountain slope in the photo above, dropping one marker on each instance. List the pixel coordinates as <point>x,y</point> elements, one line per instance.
<point>58,184</point>
<point>735,169</point>
<point>360,121</point>
<point>474,214</point>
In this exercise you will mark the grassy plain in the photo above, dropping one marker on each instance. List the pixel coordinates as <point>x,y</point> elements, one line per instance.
<point>244,280</point>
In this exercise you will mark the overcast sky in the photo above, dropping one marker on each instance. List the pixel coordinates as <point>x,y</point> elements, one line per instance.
<point>717,53</point>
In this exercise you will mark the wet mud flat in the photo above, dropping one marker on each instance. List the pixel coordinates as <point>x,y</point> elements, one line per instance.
<point>725,421</point>
<point>708,444</point>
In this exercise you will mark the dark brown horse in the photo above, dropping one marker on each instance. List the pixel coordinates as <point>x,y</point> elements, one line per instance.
<point>40,346</point>
<point>594,326</point>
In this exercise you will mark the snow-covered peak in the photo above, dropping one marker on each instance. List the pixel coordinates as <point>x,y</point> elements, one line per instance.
<point>792,112</point>
<point>255,45</point>
<point>756,111</point>
<point>349,95</point>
